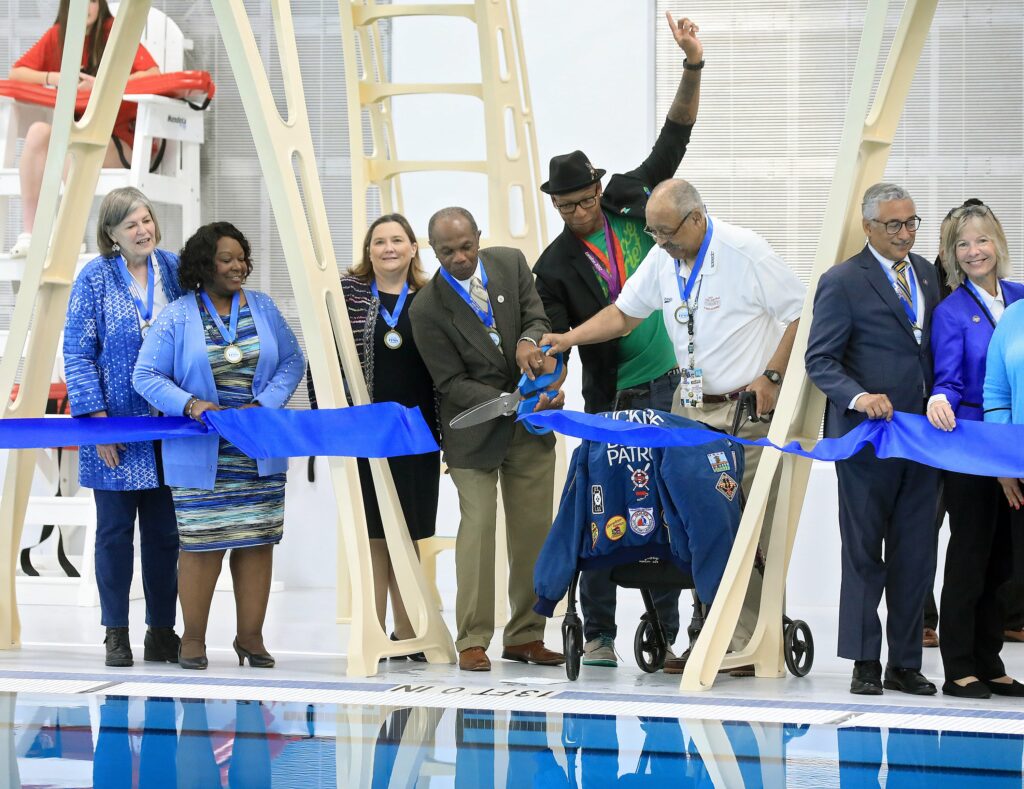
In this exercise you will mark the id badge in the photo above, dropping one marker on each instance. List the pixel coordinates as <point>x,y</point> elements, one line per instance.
<point>691,390</point>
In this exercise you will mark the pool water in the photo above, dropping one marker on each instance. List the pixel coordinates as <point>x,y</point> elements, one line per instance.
<point>117,741</point>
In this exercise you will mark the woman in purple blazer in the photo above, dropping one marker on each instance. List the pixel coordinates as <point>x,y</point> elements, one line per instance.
<point>975,257</point>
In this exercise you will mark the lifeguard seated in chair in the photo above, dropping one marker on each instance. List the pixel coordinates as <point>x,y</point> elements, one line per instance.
<point>156,111</point>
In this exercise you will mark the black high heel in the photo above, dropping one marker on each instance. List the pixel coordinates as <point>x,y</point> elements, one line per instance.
<point>263,660</point>
<point>198,663</point>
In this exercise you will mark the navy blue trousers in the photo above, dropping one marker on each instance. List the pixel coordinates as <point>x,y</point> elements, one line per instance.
<point>887,523</point>
<point>115,553</point>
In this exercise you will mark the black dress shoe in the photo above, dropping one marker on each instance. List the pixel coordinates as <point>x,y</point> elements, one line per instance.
<point>972,690</point>
<point>256,659</point>
<point>119,649</point>
<point>867,678</point>
<point>908,680</point>
<point>1013,688</point>
<point>161,645</point>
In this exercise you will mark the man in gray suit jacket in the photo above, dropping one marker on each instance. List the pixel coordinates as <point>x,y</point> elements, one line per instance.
<point>869,352</point>
<point>477,323</point>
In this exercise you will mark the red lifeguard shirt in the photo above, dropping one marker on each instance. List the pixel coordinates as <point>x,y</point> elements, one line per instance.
<point>45,55</point>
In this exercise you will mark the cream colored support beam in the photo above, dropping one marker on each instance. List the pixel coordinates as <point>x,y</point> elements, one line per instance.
<point>50,268</point>
<point>371,92</point>
<point>285,149</point>
<point>374,12</point>
<point>863,153</point>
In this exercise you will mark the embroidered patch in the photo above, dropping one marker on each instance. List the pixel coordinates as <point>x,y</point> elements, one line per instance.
<point>719,462</point>
<point>726,486</point>
<point>596,500</point>
<point>641,494</point>
<point>641,521</point>
<point>594,534</point>
<point>712,303</point>
<point>615,528</point>
<point>639,476</point>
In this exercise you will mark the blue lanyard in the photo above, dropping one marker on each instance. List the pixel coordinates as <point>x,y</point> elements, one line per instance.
<point>145,310</point>
<point>981,301</point>
<point>228,334</point>
<point>910,309</point>
<point>391,319</point>
<point>486,317</point>
<point>684,292</point>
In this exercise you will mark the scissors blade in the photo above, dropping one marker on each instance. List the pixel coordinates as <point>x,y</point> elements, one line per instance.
<point>485,412</point>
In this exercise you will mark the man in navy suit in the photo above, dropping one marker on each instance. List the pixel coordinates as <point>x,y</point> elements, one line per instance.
<point>869,352</point>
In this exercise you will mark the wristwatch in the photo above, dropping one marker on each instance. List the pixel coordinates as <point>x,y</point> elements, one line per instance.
<point>773,375</point>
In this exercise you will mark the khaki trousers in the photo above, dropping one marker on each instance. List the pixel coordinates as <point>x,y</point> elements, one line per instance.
<point>720,415</point>
<point>527,489</point>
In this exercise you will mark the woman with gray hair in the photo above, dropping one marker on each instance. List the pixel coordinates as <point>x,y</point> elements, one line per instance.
<point>114,300</point>
<point>978,557</point>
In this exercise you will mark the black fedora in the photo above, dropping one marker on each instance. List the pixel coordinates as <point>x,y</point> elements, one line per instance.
<point>570,172</point>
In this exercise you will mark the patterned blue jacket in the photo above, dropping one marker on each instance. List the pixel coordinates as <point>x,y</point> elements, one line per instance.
<point>101,345</point>
<point>624,504</point>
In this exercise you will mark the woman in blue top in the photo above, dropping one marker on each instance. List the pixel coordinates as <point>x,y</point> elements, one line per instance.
<point>113,302</point>
<point>971,614</point>
<point>220,346</point>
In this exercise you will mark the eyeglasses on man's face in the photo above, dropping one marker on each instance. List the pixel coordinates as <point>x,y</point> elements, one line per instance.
<point>568,209</point>
<point>893,226</point>
<point>656,234</point>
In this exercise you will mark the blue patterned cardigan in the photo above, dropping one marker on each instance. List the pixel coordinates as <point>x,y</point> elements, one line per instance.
<point>101,344</point>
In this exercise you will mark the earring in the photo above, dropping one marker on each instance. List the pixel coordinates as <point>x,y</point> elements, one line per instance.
<point>116,248</point>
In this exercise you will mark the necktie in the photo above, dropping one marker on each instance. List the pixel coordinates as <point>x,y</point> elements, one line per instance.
<point>479,294</point>
<point>902,283</point>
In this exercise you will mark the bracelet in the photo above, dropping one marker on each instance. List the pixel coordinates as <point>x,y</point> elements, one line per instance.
<point>529,340</point>
<point>46,79</point>
<point>188,406</point>
<point>693,66</point>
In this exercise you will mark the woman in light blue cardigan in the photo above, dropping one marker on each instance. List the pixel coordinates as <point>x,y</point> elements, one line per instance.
<point>221,346</point>
<point>113,301</point>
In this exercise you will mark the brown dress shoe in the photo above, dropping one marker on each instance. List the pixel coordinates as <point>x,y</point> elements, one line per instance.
<point>474,659</point>
<point>533,652</point>
<point>675,665</point>
<point>929,638</point>
<point>1016,636</point>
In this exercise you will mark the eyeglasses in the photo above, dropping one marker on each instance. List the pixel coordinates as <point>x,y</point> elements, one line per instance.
<point>975,209</point>
<point>656,234</point>
<point>971,202</point>
<point>568,209</point>
<point>893,226</point>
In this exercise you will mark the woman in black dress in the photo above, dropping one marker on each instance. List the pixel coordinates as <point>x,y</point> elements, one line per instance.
<point>379,289</point>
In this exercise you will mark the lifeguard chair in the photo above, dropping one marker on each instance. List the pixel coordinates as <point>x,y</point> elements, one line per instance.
<point>169,129</point>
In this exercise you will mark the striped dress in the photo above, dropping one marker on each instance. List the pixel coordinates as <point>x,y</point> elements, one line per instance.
<point>243,509</point>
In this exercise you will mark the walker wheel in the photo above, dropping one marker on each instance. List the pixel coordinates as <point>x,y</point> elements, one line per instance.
<point>648,648</point>
<point>572,637</point>
<point>799,648</point>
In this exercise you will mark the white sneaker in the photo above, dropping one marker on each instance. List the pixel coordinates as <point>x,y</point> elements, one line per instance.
<point>21,245</point>
<point>600,651</point>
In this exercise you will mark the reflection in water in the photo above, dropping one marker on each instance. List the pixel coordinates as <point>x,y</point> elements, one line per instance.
<point>209,744</point>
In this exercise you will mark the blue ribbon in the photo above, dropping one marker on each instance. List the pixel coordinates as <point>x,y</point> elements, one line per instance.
<point>389,319</point>
<point>698,264</point>
<point>378,430</point>
<point>229,334</point>
<point>145,310</point>
<point>982,448</point>
<point>487,318</point>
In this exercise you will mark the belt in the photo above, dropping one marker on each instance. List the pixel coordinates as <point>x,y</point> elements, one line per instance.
<point>724,398</point>
<point>644,388</point>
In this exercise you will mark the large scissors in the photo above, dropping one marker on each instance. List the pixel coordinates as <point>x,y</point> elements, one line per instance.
<point>522,400</point>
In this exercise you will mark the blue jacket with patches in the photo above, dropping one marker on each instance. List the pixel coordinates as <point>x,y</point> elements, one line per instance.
<point>622,504</point>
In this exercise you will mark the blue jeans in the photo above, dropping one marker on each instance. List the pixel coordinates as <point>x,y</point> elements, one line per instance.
<point>597,592</point>
<point>115,553</point>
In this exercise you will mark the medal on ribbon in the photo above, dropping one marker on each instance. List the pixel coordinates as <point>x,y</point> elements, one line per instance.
<point>486,317</point>
<point>392,337</point>
<point>232,352</point>
<point>611,268</point>
<point>145,310</point>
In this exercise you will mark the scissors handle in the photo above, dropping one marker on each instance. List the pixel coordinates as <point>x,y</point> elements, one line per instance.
<point>531,391</point>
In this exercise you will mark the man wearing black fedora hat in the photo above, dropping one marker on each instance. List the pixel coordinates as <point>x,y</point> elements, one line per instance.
<point>582,271</point>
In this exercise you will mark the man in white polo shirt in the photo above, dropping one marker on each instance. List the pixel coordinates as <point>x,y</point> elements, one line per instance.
<point>731,307</point>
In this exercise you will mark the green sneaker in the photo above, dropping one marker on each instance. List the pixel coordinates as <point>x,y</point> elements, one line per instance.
<point>600,652</point>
